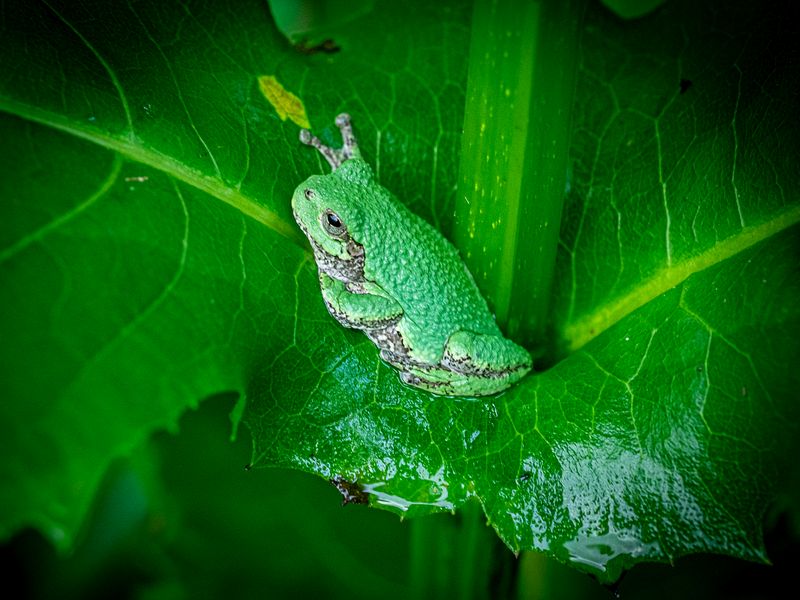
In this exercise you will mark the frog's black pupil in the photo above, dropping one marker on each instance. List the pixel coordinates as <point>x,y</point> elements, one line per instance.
<point>333,220</point>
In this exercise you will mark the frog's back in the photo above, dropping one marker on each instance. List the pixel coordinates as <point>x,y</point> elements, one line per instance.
<point>442,297</point>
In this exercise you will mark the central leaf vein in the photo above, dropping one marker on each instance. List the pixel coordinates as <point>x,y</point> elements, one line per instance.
<point>133,148</point>
<point>581,331</point>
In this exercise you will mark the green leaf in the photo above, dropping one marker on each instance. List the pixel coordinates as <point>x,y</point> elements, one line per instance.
<point>661,432</point>
<point>632,448</point>
<point>684,154</point>
<point>148,260</point>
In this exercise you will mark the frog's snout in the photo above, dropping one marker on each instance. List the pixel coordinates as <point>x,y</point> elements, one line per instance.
<point>302,192</point>
<point>303,198</point>
<point>303,203</point>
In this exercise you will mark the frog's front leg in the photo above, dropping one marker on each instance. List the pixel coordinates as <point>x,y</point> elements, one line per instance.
<point>358,310</point>
<point>335,157</point>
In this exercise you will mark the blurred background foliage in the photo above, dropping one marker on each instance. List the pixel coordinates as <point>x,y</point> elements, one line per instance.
<point>176,520</point>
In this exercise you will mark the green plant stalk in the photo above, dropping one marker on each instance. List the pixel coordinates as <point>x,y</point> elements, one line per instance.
<point>514,154</point>
<point>460,558</point>
<point>511,188</point>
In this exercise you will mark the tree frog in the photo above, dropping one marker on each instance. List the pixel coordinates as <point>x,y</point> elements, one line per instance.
<point>389,273</point>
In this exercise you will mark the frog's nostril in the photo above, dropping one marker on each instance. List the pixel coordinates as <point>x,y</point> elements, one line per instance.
<point>309,194</point>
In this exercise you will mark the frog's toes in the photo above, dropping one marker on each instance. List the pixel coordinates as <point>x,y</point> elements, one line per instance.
<point>350,148</point>
<point>305,137</point>
<point>335,157</point>
<point>436,381</point>
<point>410,379</point>
<point>393,347</point>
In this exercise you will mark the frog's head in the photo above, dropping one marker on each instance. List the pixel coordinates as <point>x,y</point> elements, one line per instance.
<point>328,208</point>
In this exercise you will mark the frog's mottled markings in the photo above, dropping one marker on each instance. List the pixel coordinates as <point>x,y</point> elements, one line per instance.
<point>390,341</point>
<point>389,273</point>
<point>349,270</point>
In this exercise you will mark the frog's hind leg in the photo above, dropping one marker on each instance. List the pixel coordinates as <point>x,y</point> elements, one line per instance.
<point>446,382</point>
<point>485,355</point>
<point>472,364</point>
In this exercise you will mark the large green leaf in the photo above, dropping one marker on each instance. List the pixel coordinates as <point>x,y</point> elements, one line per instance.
<point>149,257</point>
<point>149,260</point>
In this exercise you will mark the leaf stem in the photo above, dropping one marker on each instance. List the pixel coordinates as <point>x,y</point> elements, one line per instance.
<point>460,558</point>
<point>513,171</point>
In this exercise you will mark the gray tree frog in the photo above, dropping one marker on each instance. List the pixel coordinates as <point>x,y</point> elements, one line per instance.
<point>386,271</point>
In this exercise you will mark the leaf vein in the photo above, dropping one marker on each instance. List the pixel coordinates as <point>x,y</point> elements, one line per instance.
<point>65,218</point>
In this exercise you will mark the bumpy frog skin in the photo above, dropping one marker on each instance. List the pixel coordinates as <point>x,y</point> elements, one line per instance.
<point>386,271</point>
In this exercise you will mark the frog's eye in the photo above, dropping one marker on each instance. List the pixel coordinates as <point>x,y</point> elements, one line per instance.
<point>309,194</point>
<point>333,224</point>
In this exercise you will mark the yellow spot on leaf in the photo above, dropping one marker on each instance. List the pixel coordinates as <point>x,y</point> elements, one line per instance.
<point>285,103</point>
